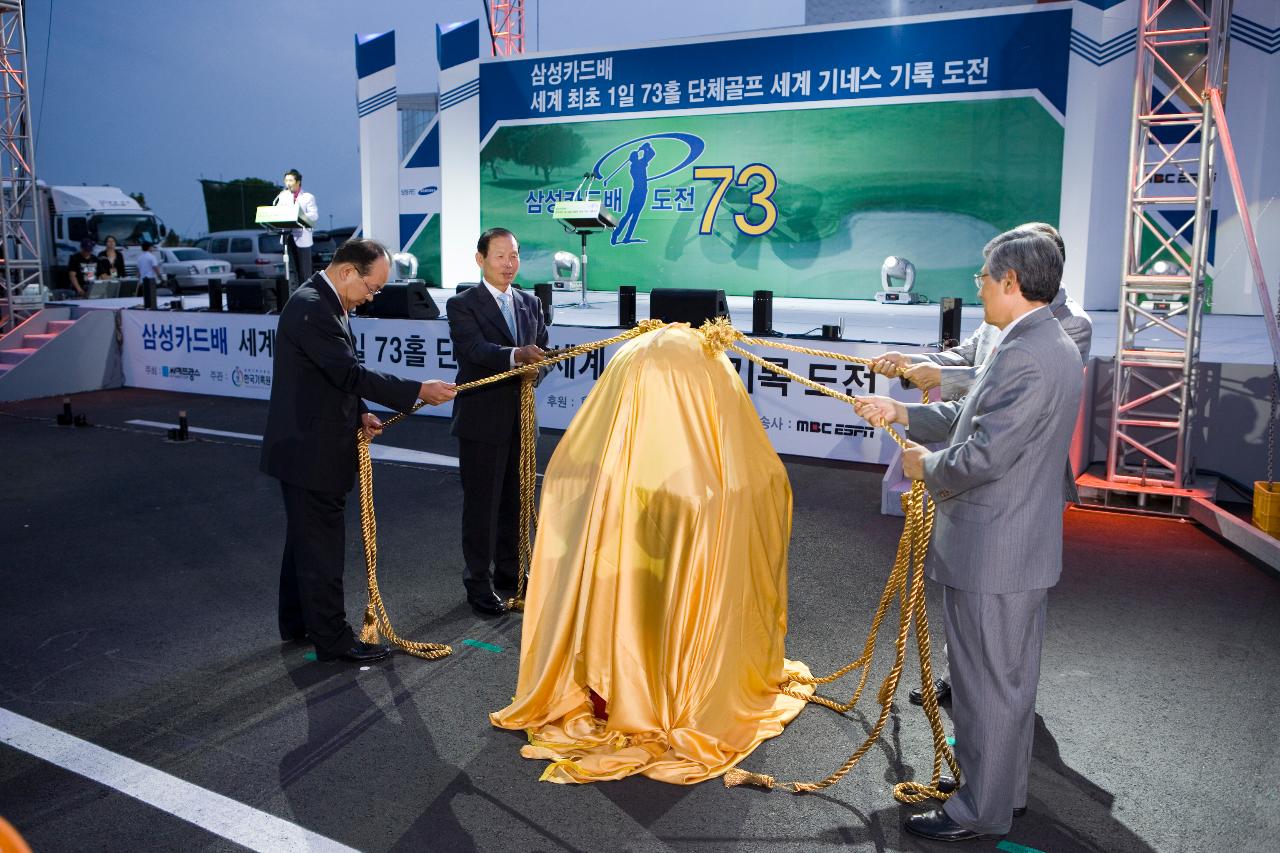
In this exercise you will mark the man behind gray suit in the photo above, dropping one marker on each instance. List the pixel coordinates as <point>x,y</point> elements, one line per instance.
<point>997,536</point>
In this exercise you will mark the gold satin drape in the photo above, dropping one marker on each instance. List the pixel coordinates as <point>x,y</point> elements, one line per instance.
<point>659,577</point>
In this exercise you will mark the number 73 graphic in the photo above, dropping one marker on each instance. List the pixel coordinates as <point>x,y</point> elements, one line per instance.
<point>761,197</point>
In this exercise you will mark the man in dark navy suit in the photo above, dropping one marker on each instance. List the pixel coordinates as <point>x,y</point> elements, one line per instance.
<point>494,327</point>
<point>317,405</point>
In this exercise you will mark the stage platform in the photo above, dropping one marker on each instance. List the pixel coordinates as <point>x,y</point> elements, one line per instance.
<point>142,642</point>
<point>1224,338</point>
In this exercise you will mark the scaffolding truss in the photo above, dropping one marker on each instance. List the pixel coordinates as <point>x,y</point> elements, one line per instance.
<point>19,207</point>
<point>1182,46</point>
<point>506,26</point>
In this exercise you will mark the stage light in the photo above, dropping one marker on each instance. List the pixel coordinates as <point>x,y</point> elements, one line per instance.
<point>404,266</point>
<point>897,277</point>
<point>566,268</point>
<point>1163,267</point>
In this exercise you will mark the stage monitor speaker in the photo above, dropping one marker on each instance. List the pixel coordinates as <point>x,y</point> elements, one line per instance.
<point>281,291</point>
<point>687,305</point>
<point>543,290</point>
<point>949,311</point>
<point>762,313</point>
<point>249,296</point>
<point>401,300</point>
<point>627,306</point>
<point>215,295</point>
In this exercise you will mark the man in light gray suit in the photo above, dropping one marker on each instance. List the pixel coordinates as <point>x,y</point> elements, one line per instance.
<point>957,368</point>
<point>997,536</point>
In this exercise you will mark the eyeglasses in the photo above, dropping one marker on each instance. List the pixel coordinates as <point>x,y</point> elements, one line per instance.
<point>978,277</point>
<point>372,292</point>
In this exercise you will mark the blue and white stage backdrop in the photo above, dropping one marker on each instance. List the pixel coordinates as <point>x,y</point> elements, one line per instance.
<point>231,355</point>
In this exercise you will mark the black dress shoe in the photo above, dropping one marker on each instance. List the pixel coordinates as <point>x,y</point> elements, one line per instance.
<point>359,653</point>
<point>504,593</point>
<point>293,638</point>
<point>947,785</point>
<point>940,687</point>
<point>936,825</point>
<point>489,605</point>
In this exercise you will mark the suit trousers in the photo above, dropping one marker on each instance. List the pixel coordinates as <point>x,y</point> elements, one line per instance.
<point>993,642</point>
<point>490,476</point>
<point>299,263</point>
<point>311,597</point>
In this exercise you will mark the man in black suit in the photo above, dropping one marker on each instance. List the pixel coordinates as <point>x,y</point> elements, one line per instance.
<point>317,405</point>
<point>494,327</point>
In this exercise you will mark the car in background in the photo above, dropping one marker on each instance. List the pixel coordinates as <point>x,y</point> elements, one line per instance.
<point>322,249</point>
<point>192,268</point>
<point>252,252</point>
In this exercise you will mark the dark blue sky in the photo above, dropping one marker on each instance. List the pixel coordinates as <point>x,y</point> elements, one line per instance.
<point>152,95</point>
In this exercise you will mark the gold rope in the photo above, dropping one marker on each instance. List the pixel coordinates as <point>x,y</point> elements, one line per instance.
<point>376,621</point>
<point>909,561</point>
<point>912,548</point>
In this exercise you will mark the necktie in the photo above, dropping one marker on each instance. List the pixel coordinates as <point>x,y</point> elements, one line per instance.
<point>504,303</point>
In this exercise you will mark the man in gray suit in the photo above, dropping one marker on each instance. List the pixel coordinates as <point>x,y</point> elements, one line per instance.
<point>957,368</point>
<point>997,536</point>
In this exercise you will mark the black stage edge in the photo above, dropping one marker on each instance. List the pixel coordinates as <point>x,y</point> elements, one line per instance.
<point>140,583</point>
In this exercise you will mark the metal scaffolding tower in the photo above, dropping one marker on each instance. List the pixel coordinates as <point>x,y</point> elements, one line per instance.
<point>19,235</point>
<point>1182,46</point>
<point>506,26</point>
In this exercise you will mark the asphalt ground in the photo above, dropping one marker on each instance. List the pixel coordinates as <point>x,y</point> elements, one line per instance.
<point>140,584</point>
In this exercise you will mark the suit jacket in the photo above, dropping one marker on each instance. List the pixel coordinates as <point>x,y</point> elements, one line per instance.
<point>482,346</point>
<point>316,389</point>
<point>998,485</point>
<point>962,364</point>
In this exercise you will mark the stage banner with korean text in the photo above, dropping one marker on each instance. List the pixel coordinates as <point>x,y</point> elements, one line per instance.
<point>231,355</point>
<point>794,161</point>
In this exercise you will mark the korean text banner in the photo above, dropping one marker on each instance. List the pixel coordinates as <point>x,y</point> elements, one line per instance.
<point>231,355</point>
<point>795,163</point>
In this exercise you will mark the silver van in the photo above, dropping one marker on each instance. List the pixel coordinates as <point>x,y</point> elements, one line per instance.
<point>252,253</point>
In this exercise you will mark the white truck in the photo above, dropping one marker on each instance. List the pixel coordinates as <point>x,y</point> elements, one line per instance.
<point>74,213</point>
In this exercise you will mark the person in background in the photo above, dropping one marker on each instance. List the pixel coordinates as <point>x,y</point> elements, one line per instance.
<point>148,266</point>
<point>297,243</point>
<point>82,268</point>
<point>111,261</point>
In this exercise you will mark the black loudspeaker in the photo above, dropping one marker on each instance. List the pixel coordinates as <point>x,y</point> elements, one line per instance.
<point>401,300</point>
<point>248,297</point>
<point>949,310</point>
<point>762,313</point>
<point>627,306</point>
<point>281,291</point>
<point>687,305</point>
<point>215,295</point>
<point>544,296</point>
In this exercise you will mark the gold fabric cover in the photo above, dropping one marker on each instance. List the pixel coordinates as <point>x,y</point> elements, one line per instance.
<point>659,577</point>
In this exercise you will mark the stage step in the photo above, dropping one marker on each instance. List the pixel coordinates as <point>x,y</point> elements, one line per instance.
<point>32,342</point>
<point>13,356</point>
<point>37,341</point>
